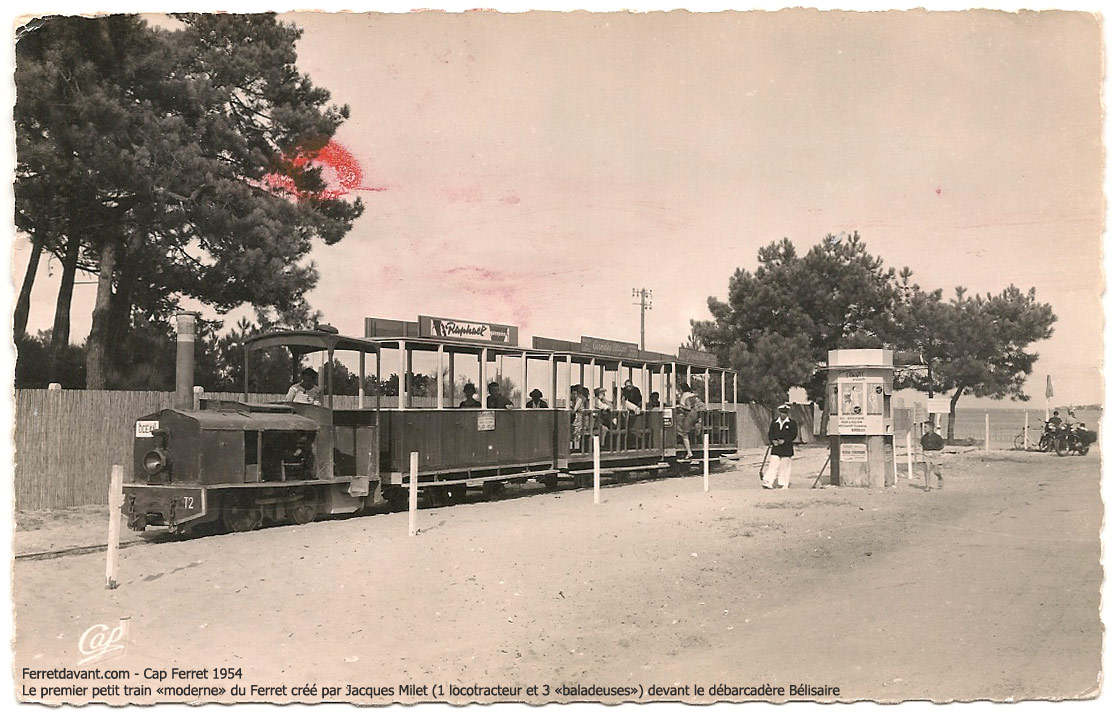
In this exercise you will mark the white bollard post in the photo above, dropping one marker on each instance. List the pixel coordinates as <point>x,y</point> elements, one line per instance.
<point>116,499</point>
<point>705,460</point>
<point>199,393</point>
<point>986,431</point>
<point>596,470</point>
<point>1026,430</point>
<point>412,504</point>
<point>910,459</point>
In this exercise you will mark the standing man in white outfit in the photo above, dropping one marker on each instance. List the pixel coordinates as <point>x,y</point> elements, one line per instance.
<point>781,434</point>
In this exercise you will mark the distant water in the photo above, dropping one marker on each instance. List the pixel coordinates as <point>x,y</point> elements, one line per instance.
<point>1005,424</point>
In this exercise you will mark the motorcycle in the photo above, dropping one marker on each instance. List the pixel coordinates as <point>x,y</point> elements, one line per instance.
<point>1073,439</point>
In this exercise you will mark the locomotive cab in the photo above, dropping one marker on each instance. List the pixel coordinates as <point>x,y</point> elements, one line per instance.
<point>180,458</point>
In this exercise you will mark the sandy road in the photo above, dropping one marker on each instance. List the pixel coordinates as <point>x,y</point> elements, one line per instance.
<point>989,588</point>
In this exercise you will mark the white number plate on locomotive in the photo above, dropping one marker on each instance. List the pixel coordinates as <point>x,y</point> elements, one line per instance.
<point>144,428</point>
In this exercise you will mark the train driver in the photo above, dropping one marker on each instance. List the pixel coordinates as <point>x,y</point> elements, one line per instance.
<point>306,390</point>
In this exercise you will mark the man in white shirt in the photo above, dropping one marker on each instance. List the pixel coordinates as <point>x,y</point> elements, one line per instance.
<point>306,391</point>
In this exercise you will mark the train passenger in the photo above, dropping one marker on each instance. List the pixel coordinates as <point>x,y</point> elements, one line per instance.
<point>536,400</point>
<point>470,398</point>
<point>689,410</point>
<point>306,390</point>
<point>605,408</point>
<point>653,400</point>
<point>495,398</point>
<point>631,397</point>
<point>578,404</point>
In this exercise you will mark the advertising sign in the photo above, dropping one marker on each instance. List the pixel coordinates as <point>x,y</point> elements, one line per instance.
<point>444,328</point>
<point>854,453</point>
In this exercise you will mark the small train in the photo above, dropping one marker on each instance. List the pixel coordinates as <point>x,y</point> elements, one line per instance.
<point>237,465</point>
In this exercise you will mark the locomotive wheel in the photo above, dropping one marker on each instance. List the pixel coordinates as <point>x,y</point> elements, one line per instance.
<point>241,515</point>
<point>304,510</point>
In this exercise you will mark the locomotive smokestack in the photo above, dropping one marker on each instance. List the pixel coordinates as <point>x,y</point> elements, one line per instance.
<point>184,363</point>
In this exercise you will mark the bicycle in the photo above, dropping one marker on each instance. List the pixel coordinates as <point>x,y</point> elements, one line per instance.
<point>1044,442</point>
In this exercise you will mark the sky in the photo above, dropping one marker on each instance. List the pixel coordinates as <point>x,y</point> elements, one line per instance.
<point>532,169</point>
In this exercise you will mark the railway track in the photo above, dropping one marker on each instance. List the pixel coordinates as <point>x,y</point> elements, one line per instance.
<point>78,550</point>
<point>90,549</point>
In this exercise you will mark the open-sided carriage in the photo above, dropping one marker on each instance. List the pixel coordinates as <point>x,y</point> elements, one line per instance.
<point>401,389</point>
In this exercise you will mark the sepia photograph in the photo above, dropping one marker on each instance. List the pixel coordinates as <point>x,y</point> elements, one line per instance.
<point>555,355</point>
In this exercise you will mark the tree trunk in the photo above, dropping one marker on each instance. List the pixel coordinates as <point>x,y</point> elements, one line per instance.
<point>96,347</point>
<point>118,318</point>
<point>953,410</point>
<point>60,334</point>
<point>23,303</point>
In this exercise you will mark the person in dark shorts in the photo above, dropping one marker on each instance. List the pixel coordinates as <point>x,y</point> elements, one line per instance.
<point>932,444</point>
<point>689,413</point>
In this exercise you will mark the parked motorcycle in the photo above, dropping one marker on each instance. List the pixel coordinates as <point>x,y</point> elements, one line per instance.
<point>1073,438</point>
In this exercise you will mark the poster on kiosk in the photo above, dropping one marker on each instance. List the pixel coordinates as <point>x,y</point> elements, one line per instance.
<point>860,429</point>
<point>860,392</point>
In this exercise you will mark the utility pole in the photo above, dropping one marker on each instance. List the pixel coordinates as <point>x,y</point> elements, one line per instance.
<point>644,303</point>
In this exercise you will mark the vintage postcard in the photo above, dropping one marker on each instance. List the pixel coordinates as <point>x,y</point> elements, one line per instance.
<point>478,356</point>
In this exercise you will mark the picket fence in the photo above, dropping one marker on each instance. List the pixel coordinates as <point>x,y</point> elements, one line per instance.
<point>67,441</point>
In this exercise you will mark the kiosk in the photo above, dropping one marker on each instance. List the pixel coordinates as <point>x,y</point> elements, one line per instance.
<point>861,430</point>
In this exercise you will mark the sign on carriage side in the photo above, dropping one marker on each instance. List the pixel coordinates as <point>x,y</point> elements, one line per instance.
<point>696,356</point>
<point>445,328</point>
<point>486,421</point>
<point>609,347</point>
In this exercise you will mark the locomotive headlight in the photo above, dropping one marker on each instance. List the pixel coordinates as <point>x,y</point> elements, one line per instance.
<point>156,461</point>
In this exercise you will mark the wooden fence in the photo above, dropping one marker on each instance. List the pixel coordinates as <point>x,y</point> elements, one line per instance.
<point>67,441</point>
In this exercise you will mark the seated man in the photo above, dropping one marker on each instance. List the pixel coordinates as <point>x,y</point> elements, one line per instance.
<point>306,390</point>
<point>631,397</point>
<point>537,400</point>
